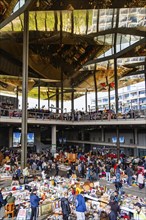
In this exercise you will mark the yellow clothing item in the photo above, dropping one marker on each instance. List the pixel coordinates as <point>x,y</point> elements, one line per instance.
<point>139,216</point>
<point>78,190</point>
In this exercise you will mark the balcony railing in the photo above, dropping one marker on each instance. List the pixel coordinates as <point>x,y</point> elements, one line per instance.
<point>76,116</point>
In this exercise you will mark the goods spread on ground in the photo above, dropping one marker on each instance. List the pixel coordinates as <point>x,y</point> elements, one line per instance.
<point>52,190</point>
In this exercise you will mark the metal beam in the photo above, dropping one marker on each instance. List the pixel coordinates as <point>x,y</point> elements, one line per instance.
<point>134,73</point>
<point>86,104</point>
<point>16,14</point>
<point>145,79</point>
<point>121,30</point>
<point>95,85</point>
<point>115,64</point>
<point>117,55</point>
<point>61,91</point>
<point>118,143</point>
<point>25,89</point>
<point>72,101</point>
<point>57,100</point>
<point>39,94</point>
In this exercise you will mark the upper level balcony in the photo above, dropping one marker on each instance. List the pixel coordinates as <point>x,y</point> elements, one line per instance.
<point>80,118</point>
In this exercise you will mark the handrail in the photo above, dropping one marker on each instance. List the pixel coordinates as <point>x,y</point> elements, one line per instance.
<point>90,116</point>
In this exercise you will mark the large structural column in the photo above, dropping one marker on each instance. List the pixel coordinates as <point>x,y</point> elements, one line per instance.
<point>145,77</point>
<point>37,140</point>
<point>83,139</point>
<point>116,85</point>
<point>109,97</point>
<point>115,64</point>
<point>10,137</point>
<point>72,100</point>
<point>118,143</point>
<point>86,102</point>
<point>39,94</point>
<point>53,144</point>
<point>61,91</point>
<point>48,96</point>
<point>102,134</point>
<point>95,86</point>
<point>25,89</point>
<point>135,142</point>
<point>17,97</point>
<point>57,100</point>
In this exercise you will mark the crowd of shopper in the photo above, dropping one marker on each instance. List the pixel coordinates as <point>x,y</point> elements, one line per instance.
<point>89,166</point>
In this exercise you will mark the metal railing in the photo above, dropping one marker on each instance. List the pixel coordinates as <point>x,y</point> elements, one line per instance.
<point>82,116</point>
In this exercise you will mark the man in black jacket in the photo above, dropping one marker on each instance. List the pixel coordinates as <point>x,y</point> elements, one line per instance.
<point>114,206</point>
<point>129,172</point>
<point>65,207</point>
<point>111,214</point>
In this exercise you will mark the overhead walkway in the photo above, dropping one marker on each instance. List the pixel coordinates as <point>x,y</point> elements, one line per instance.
<point>138,121</point>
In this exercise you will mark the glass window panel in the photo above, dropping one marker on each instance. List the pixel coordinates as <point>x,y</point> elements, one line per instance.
<point>108,39</point>
<point>102,12</point>
<point>32,24</point>
<point>124,11</point>
<point>66,21</point>
<point>19,4</point>
<point>15,25</point>
<point>142,11</point>
<point>50,21</point>
<point>40,16</point>
<point>92,26</point>
<point>95,13</point>
<point>80,21</point>
<point>109,11</point>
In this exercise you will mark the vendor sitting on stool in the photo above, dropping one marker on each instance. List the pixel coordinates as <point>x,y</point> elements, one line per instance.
<point>10,198</point>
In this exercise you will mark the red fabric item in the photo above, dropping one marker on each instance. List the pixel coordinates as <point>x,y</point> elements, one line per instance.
<point>112,85</point>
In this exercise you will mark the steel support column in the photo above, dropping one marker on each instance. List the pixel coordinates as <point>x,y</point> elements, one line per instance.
<point>109,97</point>
<point>61,91</point>
<point>25,89</point>
<point>86,102</point>
<point>57,100</point>
<point>53,138</point>
<point>95,86</point>
<point>115,64</point>
<point>145,77</point>
<point>10,137</point>
<point>39,94</point>
<point>116,85</point>
<point>17,95</point>
<point>72,100</point>
<point>48,99</point>
<point>135,142</point>
<point>102,134</point>
<point>118,143</point>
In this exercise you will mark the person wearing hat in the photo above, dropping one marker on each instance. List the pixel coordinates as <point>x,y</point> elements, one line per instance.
<point>34,202</point>
<point>138,214</point>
